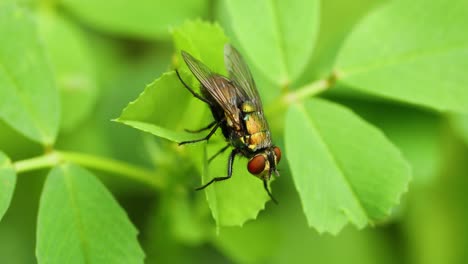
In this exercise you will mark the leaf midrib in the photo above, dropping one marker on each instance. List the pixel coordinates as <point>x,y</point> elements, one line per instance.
<point>403,58</point>
<point>333,159</point>
<point>76,212</point>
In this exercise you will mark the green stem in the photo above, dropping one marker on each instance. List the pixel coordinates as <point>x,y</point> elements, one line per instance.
<point>46,161</point>
<point>306,91</point>
<point>90,161</point>
<point>299,95</point>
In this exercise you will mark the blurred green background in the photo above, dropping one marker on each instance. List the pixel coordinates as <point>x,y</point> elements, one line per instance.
<point>107,51</point>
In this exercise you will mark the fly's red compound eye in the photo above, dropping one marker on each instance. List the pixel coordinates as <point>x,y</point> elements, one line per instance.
<point>277,153</point>
<point>256,165</point>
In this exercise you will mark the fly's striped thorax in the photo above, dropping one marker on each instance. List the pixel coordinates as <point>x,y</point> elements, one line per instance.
<point>258,135</point>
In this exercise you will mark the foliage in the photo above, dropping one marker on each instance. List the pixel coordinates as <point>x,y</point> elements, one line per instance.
<point>78,229</point>
<point>75,113</point>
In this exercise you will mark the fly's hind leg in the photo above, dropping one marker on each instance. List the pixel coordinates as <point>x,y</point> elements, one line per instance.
<point>233,154</point>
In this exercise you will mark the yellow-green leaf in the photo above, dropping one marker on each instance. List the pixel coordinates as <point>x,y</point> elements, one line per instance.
<point>344,169</point>
<point>7,183</point>
<point>80,222</point>
<point>73,68</point>
<point>29,100</point>
<point>411,51</point>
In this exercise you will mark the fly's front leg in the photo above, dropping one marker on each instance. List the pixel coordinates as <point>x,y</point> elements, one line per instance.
<point>233,154</point>
<point>265,185</point>
<point>202,129</point>
<point>201,98</point>
<point>213,130</point>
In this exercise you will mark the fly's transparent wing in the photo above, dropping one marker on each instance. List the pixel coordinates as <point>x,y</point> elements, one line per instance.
<point>217,86</point>
<point>239,73</point>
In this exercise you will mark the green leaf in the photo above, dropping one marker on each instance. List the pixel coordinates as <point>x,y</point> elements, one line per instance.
<point>405,54</point>
<point>73,68</point>
<point>143,18</point>
<point>80,222</point>
<point>235,200</point>
<point>17,228</point>
<point>344,169</point>
<point>162,109</point>
<point>7,183</point>
<point>277,36</point>
<point>28,97</point>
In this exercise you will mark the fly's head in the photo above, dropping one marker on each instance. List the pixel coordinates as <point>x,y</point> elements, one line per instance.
<point>265,163</point>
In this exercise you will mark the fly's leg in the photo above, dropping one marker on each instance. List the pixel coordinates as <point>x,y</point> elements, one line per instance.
<point>191,90</point>
<point>229,171</point>
<point>265,185</point>
<point>213,130</point>
<point>201,129</point>
<point>219,152</point>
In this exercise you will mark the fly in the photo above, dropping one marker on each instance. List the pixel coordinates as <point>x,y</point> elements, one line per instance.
<point>237,109</point>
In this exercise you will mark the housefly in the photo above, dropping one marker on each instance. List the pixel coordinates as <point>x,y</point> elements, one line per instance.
<point>237,109</point>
